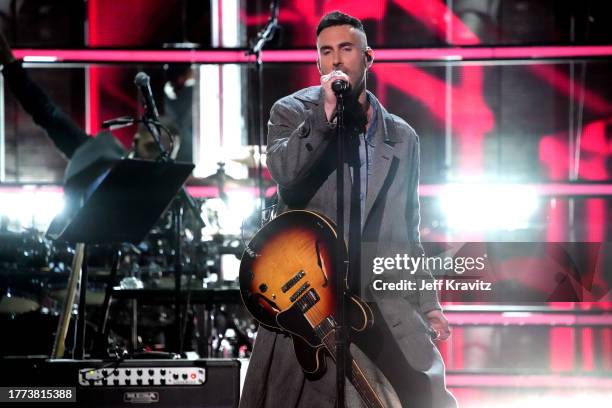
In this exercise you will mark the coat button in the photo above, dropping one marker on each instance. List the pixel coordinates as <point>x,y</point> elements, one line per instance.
<point>303,130</point>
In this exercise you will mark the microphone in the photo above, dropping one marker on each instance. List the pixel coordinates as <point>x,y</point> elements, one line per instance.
<point>340,86</point>
<point>142,81</point>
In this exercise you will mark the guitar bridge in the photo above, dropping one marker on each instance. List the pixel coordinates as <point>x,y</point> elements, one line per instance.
<point>326,327</point>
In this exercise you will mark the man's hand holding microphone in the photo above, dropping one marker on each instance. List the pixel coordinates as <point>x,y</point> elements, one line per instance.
<point>329,96</point>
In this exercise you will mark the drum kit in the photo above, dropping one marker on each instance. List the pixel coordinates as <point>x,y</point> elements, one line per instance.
<point>34,278</point>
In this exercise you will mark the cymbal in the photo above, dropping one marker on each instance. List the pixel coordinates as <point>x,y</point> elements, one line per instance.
<point>93,297</point>
<point>247,155</point>
<point>17,305</point>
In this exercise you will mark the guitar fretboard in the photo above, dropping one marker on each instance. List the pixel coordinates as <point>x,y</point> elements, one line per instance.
<point>327,333</point>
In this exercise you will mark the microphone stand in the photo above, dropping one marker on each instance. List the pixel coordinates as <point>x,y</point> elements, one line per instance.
<point>263,37</point>
<point>154,127</point>
<point>341,264</point>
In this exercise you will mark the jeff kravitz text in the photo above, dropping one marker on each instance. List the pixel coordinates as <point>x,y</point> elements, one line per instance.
<point>436,284</point>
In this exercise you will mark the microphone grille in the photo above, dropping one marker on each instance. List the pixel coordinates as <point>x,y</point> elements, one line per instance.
<point>141,79</point>
<point>340,86</point>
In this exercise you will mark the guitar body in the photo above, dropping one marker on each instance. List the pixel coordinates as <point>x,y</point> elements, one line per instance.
<point>287,282</point>
<point>291,256</point>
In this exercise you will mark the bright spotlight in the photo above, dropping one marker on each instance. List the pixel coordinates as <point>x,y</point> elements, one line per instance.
<point>488,206</point>
<point>30,207</point>
<point>226,216</point>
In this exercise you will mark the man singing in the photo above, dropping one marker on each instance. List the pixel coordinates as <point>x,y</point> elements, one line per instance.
<point>383,168</point>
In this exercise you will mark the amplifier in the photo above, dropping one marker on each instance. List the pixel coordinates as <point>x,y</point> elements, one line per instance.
<point>156,383</point>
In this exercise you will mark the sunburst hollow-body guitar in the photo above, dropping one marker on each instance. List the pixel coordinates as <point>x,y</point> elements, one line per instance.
<point>287,278</point>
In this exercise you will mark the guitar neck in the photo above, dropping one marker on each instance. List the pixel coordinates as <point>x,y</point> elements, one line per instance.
<point>355,375</point>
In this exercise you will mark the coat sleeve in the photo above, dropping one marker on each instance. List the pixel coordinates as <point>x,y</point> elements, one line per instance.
<point>65,134</point>
<point>428,299</point>
<point>297,140</point>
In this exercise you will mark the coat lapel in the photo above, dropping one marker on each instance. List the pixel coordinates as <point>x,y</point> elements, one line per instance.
<point>383,154</point>
<point>385,139</point>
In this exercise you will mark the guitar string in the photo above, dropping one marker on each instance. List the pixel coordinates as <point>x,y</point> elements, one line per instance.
<point>359,380</point>
<point>358,375</point>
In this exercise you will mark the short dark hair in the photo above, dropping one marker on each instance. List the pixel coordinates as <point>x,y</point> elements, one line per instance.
<point>337,18</point>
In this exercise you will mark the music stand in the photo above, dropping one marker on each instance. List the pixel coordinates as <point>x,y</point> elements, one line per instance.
<point>120,205</point>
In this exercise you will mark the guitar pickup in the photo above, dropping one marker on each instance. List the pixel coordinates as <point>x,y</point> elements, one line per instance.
<point>291,282</point>
<point>298,292</point>
<point>308,300</point>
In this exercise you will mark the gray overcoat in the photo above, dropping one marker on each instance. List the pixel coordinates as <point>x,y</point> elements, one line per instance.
<point>301,161</point>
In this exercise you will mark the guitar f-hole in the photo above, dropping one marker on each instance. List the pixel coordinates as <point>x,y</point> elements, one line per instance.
<point>321,263</point>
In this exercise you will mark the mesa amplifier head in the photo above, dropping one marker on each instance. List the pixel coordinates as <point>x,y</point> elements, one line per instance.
<point>155,383</point>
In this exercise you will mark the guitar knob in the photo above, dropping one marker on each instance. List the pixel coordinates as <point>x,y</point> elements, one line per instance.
<point>263,287</point>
